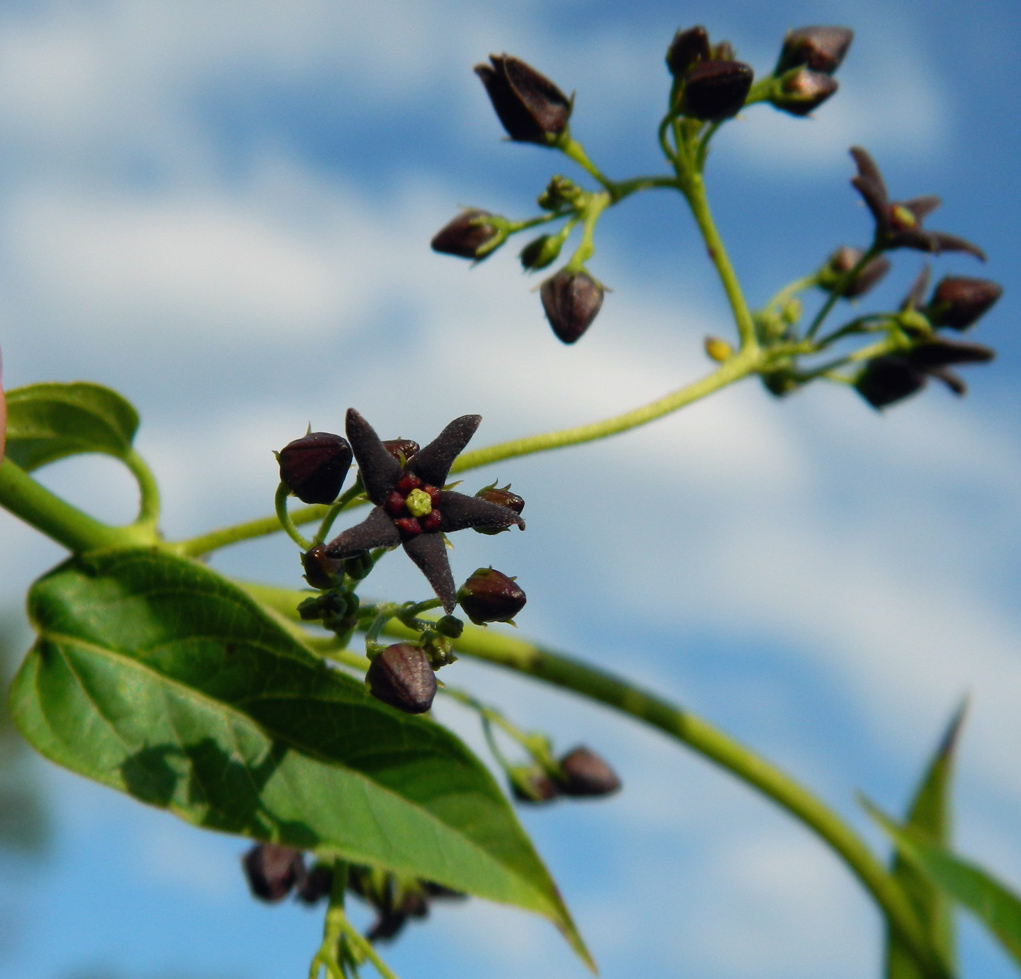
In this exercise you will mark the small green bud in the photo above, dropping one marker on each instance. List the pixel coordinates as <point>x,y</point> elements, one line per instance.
<point>540,252</point>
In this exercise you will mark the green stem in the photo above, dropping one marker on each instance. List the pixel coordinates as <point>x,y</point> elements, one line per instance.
<point>694,191</point>
<point>285,518</point>
<point>66,524</point>
<point>236,533</point>
<point>790,290</point>
<point>149,506</point>
<point>597,203</point>
<point>335,509</point>
<point>746,362</point>
<point>573,150</point>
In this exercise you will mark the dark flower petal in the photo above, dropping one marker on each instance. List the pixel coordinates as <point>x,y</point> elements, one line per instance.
<point>432,464</point>
<point>461,511</point>
<point>870,184</point>
<point>952,243</point>
<point>429,552</point>
<point>950,379</point>
<point>922,207</point>
<point>379,469</point>
<point>916,294</point>
<point>958,301</point>
<point>889,379</point>
<point>376,530</point>
<point>942,353</point>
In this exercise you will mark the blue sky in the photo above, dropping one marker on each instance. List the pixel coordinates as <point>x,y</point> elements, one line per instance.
<point>223,209</point>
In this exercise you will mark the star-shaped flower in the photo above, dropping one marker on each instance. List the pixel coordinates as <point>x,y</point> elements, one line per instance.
<point>899,223</point>
<point>411,507</point>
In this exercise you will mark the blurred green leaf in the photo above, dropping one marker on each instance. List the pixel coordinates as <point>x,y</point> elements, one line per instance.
<point>156,676</point>
<point>929,814</point>
<point>995,906</point>
<point>47,422</point>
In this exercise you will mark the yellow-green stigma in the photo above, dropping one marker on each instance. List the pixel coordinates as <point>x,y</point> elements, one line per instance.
<point>419,503</point>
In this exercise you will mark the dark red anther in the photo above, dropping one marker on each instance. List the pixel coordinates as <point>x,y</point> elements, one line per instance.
<point>432,521</point>
<point>407,483</point>
<point>394,504</point>
<point>408,526</point>
<point>434,494</point>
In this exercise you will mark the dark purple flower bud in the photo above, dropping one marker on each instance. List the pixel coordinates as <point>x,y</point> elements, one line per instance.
<point>402,677</point>
<point>958,302</point>
<point>803,91</point>
<point>541,252</point>
<point>272,870</point>
<point>716,90</point>
<point>817,48</point>
<point>401,449</point>
<point>944,353</point>
<point>889,379</point>
<point>321,571</point>
<point>469,235</point>
<point>531,784</point>
<point>314,467</point>
<point>490,596</point>
<point>531,108</point>
<point>586,773</point>
<point>501,497</point>
<point>317,884</point>
<point>842,261</point>
<point>686,49</point>
<point>571,301</point>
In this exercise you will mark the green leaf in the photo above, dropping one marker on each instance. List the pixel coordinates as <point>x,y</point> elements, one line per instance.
<point>156,676</point>
<point>929,814</point>
<point>46,422</point>
<point>996,906</point>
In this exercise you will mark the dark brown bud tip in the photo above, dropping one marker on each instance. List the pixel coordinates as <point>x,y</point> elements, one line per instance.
<point>716,90</point>
<point>531,784</point>
<point>501,497</point>
<point>958,302</point>
<point>401,449</point>
<point>402,677</point>
<point>272,870</point>
<point>490,596</point>
<point>314,467</point>
<point>817,48</point>
<point>466,235</point>
<point>321,570</point>
<point>842,261</point>
<point>804,91</point>
<point>889,379</point>
<point>587,774</point>
<point>686,49</point>
<point>317,884</point>
<point>572,300</point>
<point>531,108</point>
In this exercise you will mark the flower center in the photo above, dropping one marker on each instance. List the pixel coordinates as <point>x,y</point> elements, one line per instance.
<point>903,217</point>
<point>419,503</point>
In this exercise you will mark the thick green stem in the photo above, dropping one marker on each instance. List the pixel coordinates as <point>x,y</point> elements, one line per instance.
<point>66,524</point>
<point>737,367</point>
<point>149,506</point>
<point>723,750</point>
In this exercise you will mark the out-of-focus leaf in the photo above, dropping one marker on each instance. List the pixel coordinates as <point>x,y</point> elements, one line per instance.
<point>995,906</point>
<point>929,814</point>
<point>46,422</point>
<point>156,676</point>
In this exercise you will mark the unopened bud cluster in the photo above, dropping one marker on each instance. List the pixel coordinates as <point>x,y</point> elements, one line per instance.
<point>580,773</point>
